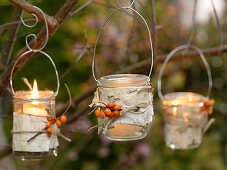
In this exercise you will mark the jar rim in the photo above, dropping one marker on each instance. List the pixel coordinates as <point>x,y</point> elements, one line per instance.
<point>124,80</point>
<point>182,98</point>
<point>44,95</point>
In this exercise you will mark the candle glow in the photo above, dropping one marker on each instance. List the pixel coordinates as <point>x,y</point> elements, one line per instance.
<point>35,93</point>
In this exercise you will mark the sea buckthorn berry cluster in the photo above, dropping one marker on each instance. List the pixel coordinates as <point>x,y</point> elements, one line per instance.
<point>207,106</point>
<point>110,110</point>
<point>50,121</point>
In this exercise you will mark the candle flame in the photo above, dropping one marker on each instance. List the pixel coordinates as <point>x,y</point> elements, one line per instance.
<point>174,111</point>
<point>35,93</point>
<point>175,102</point>
<point>190,98</point>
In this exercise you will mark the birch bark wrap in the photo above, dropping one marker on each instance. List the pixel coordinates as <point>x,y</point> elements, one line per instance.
<point>137,106</point>
<point>25,122</point>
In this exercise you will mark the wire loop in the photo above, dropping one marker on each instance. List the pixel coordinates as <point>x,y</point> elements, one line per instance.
<point>102,28</point>
<point>33,35</point>
<point>31,50</point>
<point>171,55</point>
<point>24,54</point>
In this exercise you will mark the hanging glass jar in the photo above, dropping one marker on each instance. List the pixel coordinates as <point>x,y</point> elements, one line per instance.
<point>185,113</point>
<point>32,139</point>
<point>123,102</point>
<point>34,121</point>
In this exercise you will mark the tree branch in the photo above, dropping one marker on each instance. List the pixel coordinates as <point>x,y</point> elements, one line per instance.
<point>31,10</point>
<point>141,66</point>
<point>55,23</point>
<point>15,23</point>
<point>10,40</point>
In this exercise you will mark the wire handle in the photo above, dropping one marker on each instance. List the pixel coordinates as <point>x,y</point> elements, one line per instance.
<point>171,54</point>
<point>102,28</point>
<point>33,35</point>
<point>30,50</point>
<point>46,55</point>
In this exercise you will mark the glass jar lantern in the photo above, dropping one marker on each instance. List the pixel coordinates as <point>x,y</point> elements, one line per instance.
<point>132,93</point>
<point>31,112</point>
<point>185,113</point>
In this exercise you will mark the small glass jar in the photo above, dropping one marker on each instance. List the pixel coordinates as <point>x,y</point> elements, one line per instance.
<point>185,119</point>
<point>134,93</point>
<point>29,119</point>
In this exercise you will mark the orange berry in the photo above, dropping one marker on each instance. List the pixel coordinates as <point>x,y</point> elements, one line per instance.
<point>108,112</point>
<point>58,123</point>
<point>48,124</point>
<point>116,113</point>
<point>117,107</point>
<point>111,104</point>
<point>111,115</point>
<point>49,134</point>
<point>102,115</point>
<point>49,130</point>
<point>97,113</point>
<point>63,118</point>
<point>49,118</point>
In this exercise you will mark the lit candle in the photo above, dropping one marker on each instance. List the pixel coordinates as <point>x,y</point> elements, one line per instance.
<point>34,108</point>
<point>183,130</point>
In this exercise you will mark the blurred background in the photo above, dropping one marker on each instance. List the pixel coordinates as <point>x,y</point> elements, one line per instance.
<point>123,43</point>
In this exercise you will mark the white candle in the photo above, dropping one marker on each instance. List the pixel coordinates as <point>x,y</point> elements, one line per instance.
<point>35,108</point>
<point>36,111</point>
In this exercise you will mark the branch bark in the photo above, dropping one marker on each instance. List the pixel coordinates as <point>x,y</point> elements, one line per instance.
<point>31,10</point>
<point>53,25</point>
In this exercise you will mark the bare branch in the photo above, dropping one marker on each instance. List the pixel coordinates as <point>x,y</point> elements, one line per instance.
<point>10,39</point>
<point>65,10</point>
<point>31,10</point>
<point>80,8</point>
<point>15,23</point>
<point>55,23</point>
<point>154,23</point>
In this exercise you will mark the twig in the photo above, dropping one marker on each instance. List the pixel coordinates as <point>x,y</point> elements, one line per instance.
<point>10,40</point>
<point>53,24</point>
<point>31,10</point>
<point>6,116</point>
<point>220,33</point>
<point>37,134</point>
<point>25,80</point>
<point>209,123</point>
<point>154,23</point>
<point>80,8</point>
<point>193,23</point>
<point>15,23</point>
<point>75,61</point>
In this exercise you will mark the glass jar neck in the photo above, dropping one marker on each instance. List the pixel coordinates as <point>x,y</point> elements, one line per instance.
<point>182,98</point>
<point>124,80</point>
<point>43,95</point>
